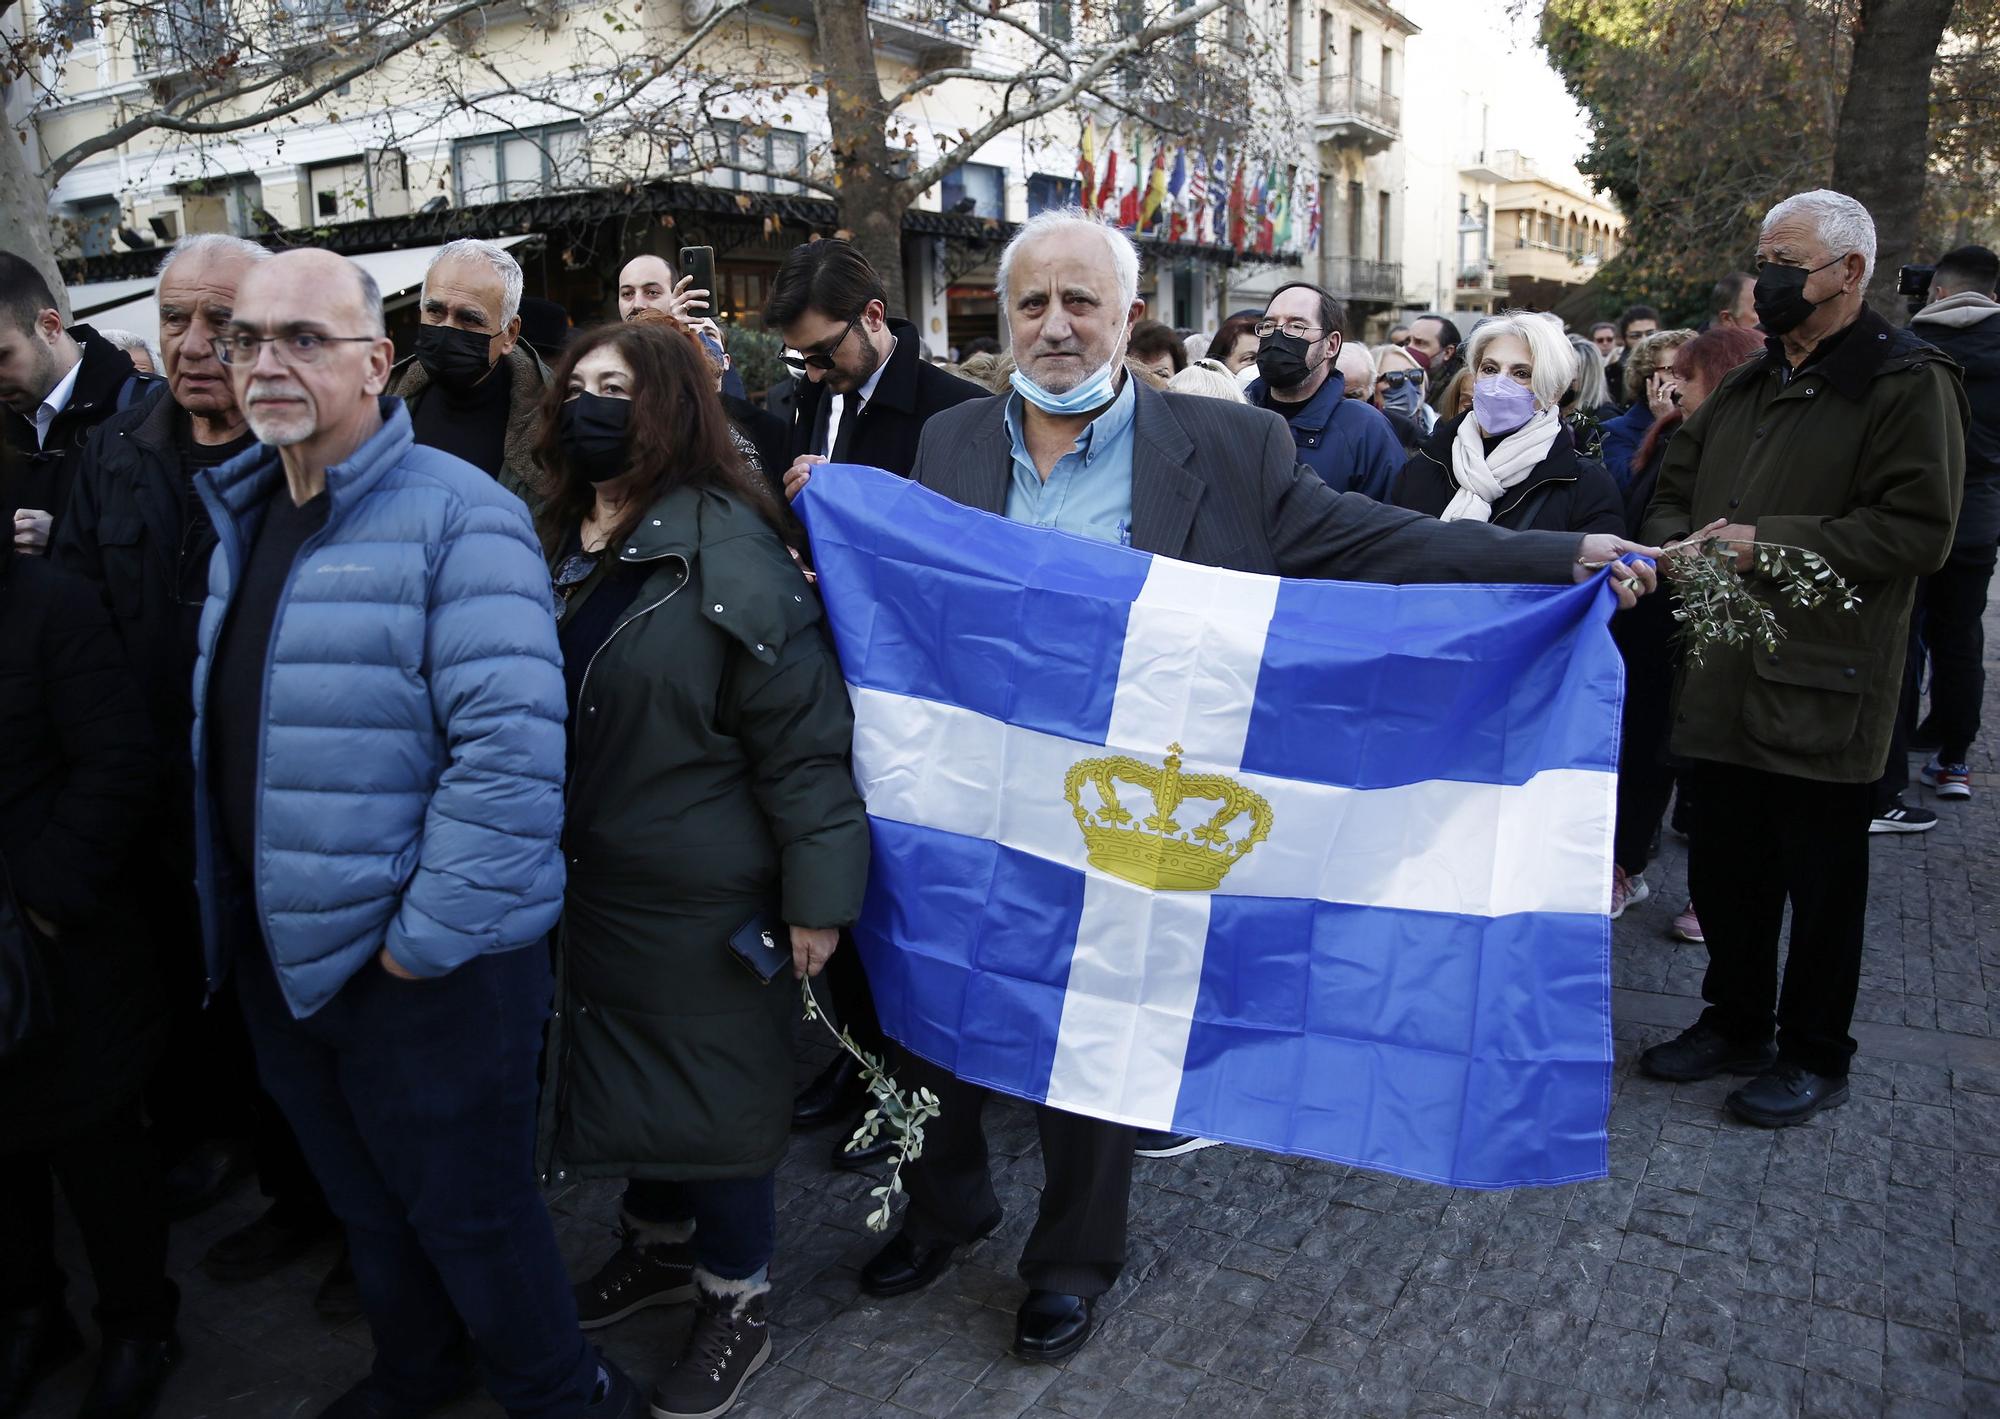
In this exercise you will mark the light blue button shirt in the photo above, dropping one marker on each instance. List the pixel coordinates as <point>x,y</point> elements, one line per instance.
<point>1089,491</point>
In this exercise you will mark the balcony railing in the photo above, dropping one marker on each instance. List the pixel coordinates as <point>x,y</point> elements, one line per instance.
<point>1482,278</point>
<point>1352,278</point>
<point>1345,94</point>
<point>953,23</point>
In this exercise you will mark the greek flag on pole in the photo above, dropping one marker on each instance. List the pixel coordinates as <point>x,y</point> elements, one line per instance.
<point>1320,868</point>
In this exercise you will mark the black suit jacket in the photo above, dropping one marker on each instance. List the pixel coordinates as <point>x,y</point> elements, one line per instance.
<point>1219,483</point>
<point>884,434</point>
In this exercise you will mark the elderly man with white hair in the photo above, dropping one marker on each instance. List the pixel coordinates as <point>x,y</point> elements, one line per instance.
<point>473,389</point>
<point>1513,461</point>
<point>1846,439</point>
<point>1079,447</point>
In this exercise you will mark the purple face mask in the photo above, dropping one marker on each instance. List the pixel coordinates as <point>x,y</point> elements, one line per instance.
<point>1500,404</point>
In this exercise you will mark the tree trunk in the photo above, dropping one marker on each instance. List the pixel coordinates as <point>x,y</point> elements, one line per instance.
<point>872,200</point>
<point>1882,146</point>
<point>24,202</point>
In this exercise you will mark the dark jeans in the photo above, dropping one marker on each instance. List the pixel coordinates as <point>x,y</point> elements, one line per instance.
<point>1951,603</point>
<point>735,1219</point>
<point>1758,840</point>
<point>111,1178</point>
<point>1078,1244</point>
<point>415,1104</point>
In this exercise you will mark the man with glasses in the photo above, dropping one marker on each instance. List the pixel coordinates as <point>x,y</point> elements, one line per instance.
<point>865,392</point>
<point>135,528</point>
<point>1346,441</point>
<point>378,799</point>
<point>868,388</point>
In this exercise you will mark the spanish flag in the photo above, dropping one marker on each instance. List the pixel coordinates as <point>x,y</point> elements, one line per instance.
<point>1086,165</point>
<point>1156,186</point>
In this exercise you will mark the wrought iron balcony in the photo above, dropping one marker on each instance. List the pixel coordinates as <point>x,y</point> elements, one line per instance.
<point>1353,112</point>
<point>1352,278</point>
<point>936,33</point>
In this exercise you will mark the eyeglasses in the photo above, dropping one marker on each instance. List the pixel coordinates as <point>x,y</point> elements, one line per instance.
<point>1396,379</point>
<point>575,570</point>
<point>815,359</point>
<point>295,347</point>
<point>1297,329</point>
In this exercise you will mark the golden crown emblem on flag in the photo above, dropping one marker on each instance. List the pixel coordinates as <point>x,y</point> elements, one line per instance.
<point>1157,851</point>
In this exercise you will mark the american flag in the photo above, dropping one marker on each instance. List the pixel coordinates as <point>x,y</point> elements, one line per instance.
<point>1196,196</point>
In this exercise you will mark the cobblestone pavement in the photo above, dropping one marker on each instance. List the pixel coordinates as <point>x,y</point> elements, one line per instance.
<point>1850,1267</point>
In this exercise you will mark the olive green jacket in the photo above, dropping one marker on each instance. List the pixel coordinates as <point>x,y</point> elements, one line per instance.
<point>710,781</point>
<point>1860,457</point>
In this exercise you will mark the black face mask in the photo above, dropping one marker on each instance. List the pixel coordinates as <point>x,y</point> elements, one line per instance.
<point>592,431</point>
<point>1281,360</point>
<point>455,358</point>
<point>1780,296</point>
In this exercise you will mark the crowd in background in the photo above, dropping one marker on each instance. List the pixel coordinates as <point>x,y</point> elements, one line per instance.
<point>415,772</point>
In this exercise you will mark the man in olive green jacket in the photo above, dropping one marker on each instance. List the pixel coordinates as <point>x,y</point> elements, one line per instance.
<point>1847,438</point>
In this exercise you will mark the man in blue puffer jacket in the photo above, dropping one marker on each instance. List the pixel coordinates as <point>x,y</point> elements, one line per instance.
<point>379,762</point>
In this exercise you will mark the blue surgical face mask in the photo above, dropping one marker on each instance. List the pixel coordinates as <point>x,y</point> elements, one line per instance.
<point>1093,392</point>
<point>1404,398</point>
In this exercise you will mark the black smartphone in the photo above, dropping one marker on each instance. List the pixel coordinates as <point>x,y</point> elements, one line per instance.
<point>762,947</point>
<point>699,262</point>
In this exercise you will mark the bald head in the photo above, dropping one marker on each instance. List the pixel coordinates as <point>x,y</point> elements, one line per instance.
<point>644,284</point>
<point>323,360</point>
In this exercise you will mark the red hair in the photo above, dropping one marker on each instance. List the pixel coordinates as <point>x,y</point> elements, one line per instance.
<point>1706,359</point>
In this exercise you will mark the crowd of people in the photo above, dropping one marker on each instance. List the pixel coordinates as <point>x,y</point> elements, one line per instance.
<point>400,763</point>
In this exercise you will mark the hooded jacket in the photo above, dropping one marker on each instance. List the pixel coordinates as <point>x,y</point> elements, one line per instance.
<point>409,787</point>
<point>527,377</point>
<point>1859,456</point>
<point>1967,327</point>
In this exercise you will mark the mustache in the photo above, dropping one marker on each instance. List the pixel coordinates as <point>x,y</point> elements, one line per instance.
<point>267,387</point>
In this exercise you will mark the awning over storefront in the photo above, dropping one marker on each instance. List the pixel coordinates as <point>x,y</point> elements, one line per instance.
<point>395,272</point>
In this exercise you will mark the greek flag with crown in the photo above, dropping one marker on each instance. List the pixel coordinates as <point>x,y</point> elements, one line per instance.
<point>1321,868</point>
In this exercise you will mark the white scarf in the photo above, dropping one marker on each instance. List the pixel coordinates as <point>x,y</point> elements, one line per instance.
<point>1481,480</point>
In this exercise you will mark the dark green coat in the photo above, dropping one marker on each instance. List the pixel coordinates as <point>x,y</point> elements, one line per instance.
<point>1860,457</point>
<point>710,782</point>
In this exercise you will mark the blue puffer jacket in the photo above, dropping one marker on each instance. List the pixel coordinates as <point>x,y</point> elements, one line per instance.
<point>410,787</point>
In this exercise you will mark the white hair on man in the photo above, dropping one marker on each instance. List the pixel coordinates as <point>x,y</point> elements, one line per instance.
<point>211,244</point>
<point>1124,255</point>
<point>132,341</point>
<point>512,281</point>
<point>1210,379</point>
<point>1548,351</point>
<point>1842,224</point>
<point>1357,369</point>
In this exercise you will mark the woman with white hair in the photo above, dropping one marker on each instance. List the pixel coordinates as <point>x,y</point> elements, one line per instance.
<point>1512,460</point>
<point>1208,378</point>
<point>145,354</point>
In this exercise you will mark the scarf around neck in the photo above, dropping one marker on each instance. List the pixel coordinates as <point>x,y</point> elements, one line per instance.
<point>1482,479</point>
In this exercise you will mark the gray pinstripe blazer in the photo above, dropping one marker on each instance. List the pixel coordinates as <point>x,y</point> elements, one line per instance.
<point>1220,484</point>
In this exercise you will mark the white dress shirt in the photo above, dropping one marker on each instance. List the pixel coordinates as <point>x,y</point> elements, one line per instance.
<point>58,400</point>
<point>837,410</point>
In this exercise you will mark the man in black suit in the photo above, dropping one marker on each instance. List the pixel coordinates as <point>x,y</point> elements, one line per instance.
<point>868,387</point>
<point>1081,448</point>
<point>866,392</point>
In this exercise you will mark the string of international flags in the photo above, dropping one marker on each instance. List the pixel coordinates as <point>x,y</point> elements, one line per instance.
<point>1184,195</point>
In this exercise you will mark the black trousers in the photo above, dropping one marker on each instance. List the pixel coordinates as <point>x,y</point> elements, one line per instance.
<point>1078,1243</point>
<point>847,987</point>
<point>1759,840</point>
<point>1951,605</point>
<point>1644,635</point>
<point>110,1175</point>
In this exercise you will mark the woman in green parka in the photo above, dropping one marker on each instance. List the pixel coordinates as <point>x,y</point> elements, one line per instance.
<point>709,803</point>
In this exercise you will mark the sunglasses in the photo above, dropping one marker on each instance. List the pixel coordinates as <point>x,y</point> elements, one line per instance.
<point>1396,379</point>
<point>575,570</point>
<point>823,359</point>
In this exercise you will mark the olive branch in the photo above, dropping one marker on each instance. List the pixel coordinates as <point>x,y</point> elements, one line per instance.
<point>1717,608</point>
<point>902,1115</point>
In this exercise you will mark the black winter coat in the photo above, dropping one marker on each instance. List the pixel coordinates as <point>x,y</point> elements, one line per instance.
<point>1967,327</point>
<point>1565,493</point>
<point>884,434</point>
<point>76,774</point>
<point>40,477</point>
<point>123,532</point>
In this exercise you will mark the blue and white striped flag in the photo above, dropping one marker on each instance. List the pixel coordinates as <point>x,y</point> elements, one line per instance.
<point>1316,867</point>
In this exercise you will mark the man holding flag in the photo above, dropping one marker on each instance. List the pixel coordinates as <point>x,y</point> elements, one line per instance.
<point>1081,448</point>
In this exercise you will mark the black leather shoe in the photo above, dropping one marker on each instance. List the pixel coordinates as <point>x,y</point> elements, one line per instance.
<point>203,1176</point>
<point>129,1375</point>
<point>905,1265</point>
<point>835,1094</point>
<point>1786,1094</point>
<point>275,1240</point>
<point>1701,1052</point>
<point>34,1344</point>
<point>1051,1325</point>
<point>338,1299</point>
<point>867,1157</point>
<point>370,1400</point>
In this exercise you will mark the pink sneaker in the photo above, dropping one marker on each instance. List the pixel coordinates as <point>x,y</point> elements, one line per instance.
<point>1626,890</point>
<point>1687,926</point>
